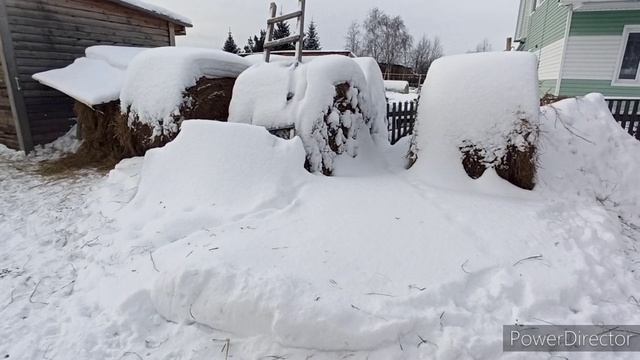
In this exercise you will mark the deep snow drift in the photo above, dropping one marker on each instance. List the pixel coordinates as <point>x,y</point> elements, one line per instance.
<point>583,145</point>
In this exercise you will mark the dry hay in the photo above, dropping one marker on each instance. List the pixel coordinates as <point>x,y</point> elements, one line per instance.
<point>99,149</point>
<point>549,99</point>
<point>108,136</point>
<point>209,99</point>
<point>518,163</point>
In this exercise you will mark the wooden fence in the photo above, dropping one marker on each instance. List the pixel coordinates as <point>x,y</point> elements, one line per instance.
<point>402,118</point>
<point>627,114</point>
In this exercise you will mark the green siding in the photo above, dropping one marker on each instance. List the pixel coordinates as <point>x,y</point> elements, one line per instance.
<point>548,87</point>
<point>547,25</point>
<point>603,22</point>
<point>571,87</point>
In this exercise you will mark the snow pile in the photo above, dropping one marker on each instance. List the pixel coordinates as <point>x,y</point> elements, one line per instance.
<point>479,105</point>
<point>584,152</point>
<point>94,79</point>
<point>397,86</point>
<point>158,10</point>
<point>154,88</point>
<point>214,169</point>
<point>326,100</point>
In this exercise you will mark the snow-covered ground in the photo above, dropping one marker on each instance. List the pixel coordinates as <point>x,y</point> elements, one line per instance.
<point>221,246</point>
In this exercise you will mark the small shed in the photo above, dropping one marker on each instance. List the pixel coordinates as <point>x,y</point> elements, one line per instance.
<point>39,35</point>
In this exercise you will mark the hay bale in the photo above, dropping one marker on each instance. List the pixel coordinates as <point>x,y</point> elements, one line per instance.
<point>338,128</point>
<point>100,148</point>
<point>464,124</point>
<point>516,164</point>
<point>327,101</point>
<point>209,99</point>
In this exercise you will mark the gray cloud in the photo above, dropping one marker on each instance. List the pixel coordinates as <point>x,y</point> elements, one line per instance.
<point>460,24</point>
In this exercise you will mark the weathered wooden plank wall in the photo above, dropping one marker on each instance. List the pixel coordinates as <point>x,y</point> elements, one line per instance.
<point>8,134</point>
<point>50,34</point>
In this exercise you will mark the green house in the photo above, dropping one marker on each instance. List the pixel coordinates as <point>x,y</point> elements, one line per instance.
<point>583,46</point>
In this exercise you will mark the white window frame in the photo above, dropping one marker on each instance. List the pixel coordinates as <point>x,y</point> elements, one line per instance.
<point>537,4</point>
<point>628,29</point>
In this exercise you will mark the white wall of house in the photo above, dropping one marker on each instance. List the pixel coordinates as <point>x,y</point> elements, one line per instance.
<point>550,60</point>
<point>591,57</point>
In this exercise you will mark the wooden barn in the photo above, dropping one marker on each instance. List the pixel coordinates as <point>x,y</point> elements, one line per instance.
<point>39,35</point>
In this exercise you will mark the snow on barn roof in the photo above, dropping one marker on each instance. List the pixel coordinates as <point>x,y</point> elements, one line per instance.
<point>155,10</point>
<point>94,79</point>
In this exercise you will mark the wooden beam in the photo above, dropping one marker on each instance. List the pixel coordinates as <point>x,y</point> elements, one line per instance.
<point>282,18</point>
<point>267,52</point>
<point>13,86</point>
<point>172,34</point>
<point>283,41</point>
<point>300,32</point>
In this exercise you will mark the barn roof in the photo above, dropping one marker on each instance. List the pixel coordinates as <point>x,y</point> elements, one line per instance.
<point>155,11</point>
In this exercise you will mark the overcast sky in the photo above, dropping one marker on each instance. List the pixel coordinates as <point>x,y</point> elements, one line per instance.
<point>460,24</point>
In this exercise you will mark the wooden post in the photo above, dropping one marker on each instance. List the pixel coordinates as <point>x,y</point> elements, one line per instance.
<point>267,51</point>
<point>172,34</point>
<point>509,43</point>
<point>301,30</point>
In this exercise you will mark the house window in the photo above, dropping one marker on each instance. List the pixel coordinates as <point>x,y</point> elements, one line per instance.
<point>628,69</point>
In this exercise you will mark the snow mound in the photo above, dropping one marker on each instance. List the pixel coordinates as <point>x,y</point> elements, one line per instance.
<point>154,86</point>
<point>312,98</point>
<point>584,152</point>
<point>94,79</point>
<point>460,108</point>
<point>221,169</point>
<point>117,56</point>
<point>397,86</point>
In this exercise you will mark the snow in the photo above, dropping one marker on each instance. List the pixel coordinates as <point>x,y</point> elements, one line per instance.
<point>394,97</point>
<point>280,95</point>
<point>461,107</point>
<point>222,242</point>
<point>154,86</point>
<point>94,79</point>
<point>117,56</point>
<point>580,139</point>
<point>398,86</point>
<point>158,10</point>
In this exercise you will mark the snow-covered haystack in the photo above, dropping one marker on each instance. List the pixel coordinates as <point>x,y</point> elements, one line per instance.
<point>165,86</point>
<point>94,81</point>
<point>326,100</point>
<point>585,153</point>
<point>479,111</point>
<point>375,82</point>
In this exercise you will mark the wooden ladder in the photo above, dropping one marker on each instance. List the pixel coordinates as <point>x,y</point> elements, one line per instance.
<point>298,39</point>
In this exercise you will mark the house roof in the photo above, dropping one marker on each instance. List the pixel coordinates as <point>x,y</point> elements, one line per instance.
<point>602,4</point>
<point>155,11</point>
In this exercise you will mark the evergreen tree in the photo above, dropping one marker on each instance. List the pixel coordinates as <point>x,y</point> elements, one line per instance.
<point>256,44</point>
<point>259,41</point>
<point>282,31</point>
<point>248,49</point>
<point>230,45</point>
<point>312,41</point>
